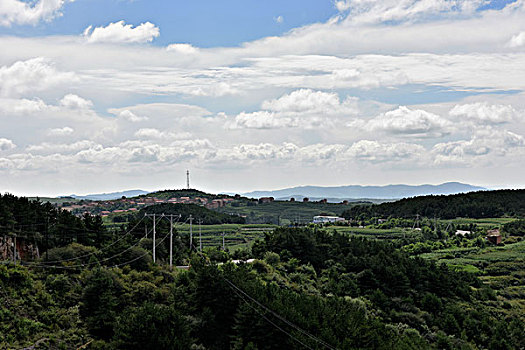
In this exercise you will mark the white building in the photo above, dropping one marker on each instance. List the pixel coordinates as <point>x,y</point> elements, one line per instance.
<point>321,219</point>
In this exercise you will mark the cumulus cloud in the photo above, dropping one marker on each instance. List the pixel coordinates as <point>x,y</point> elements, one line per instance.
<point>6,145</point>
<point>20,12</point>
<point>406,121</point>
<point>262,120</point>
<point>151,133</point>
<point>517,40</point>
<point>301,108</point>
<point>375,11</point>
<point>342,5</point>
<point>16,107</point>
<point>65,131</point>
<point>485,113</point>
<point>305,100</point>
<point>279,19</point>
<point>485,143</point>
<point>130,116</point>
<point>184,49</point>
<point>377,152</point>
<point>73,101</point>
<point>35,74</point>
<point>63,148</point>
<point>120,32</point>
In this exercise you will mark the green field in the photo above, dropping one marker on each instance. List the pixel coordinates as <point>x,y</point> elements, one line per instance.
<point>236,236</point>
<point>485,223</point>
<point>502,268</point>
<point>284,212</point>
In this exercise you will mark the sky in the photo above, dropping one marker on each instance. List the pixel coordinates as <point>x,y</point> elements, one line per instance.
<point>108,95</point>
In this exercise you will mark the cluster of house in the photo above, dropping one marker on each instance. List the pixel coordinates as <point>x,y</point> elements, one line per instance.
<point>493,236</point>
<point>125,205</point>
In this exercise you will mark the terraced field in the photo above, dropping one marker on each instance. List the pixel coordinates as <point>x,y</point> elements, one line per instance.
<point>502,268</point>
<point>394,233</point>
<point>236,236</point>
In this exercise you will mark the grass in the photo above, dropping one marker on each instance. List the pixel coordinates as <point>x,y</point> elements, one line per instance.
<point>368,232</point>
<point>484,223</point>
<point>236,236</point>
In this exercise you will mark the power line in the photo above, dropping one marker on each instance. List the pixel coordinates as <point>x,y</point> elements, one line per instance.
<point>271,322</point>
<point>236,289</point>
<point>320,341</point>
<point>101,249</point>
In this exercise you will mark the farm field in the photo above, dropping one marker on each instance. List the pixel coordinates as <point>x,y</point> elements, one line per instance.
<point>368,232</point>
<point>485,223</point>
<point>236,236</point>
<point>284,212</point>
<point>502,268</point>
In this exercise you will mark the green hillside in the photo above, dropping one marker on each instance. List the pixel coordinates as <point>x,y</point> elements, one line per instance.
<point>482,204</point>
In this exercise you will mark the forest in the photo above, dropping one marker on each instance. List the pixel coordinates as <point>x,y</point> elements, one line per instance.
<point>482,204</point>
<point>308,288</point>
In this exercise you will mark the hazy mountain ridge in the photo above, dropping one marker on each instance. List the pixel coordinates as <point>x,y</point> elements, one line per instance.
<point>372,192</point>
<point>110,196</point>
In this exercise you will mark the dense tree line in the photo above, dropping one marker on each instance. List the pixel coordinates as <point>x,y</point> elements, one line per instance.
<point>482,204</point>
<point>515,228</point>
<point>46,226</point>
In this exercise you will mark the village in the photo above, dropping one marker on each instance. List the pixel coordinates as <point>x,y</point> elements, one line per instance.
<point>130,205</point>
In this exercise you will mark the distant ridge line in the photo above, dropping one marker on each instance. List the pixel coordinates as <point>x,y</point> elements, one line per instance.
<point>370,192</point>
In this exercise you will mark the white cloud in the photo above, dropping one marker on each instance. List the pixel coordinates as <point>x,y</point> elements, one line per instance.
<point>375,11</point>
<point>73,101</point>
<point>303,108</point>
<point>517,40</point>
<point>6,145</point>
<point>131,117</point>
<point>184,49</point>
<point>151,133</point>
<point>64,148</point>
<point>342,5</point>
<point>16,107</point>
<point>19,12</point>
<point>262,120</point>
<point>485,145</point>
<point>482,112</point>
<point>304,100</point>
<point>377,152</point>
<point>279,19</point>
<point>35,74</point>
<point>65,131</point>
<point>120,32</point>
<point>407,121</point>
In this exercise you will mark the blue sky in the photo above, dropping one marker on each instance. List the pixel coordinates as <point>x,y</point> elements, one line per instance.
<point>202,23</point>
<point>367,92</point>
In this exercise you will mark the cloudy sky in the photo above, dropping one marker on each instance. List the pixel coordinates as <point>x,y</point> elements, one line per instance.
<point>106,95</point>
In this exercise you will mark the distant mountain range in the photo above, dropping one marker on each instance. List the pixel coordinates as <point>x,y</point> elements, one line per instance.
<point>370,192</point>
<point>109,196</point>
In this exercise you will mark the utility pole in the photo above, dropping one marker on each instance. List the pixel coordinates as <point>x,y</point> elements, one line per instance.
<point>47,237</point>
<point>171,242</point>
<point>223,241</point>
<point>191,231</point>
<point>154,232</point>
<point>200,236</point>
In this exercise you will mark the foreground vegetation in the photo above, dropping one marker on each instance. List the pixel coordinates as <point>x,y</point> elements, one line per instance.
<point>385,285</point>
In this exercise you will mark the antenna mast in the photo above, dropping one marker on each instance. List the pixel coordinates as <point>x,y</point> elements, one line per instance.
<point>188,179</point>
